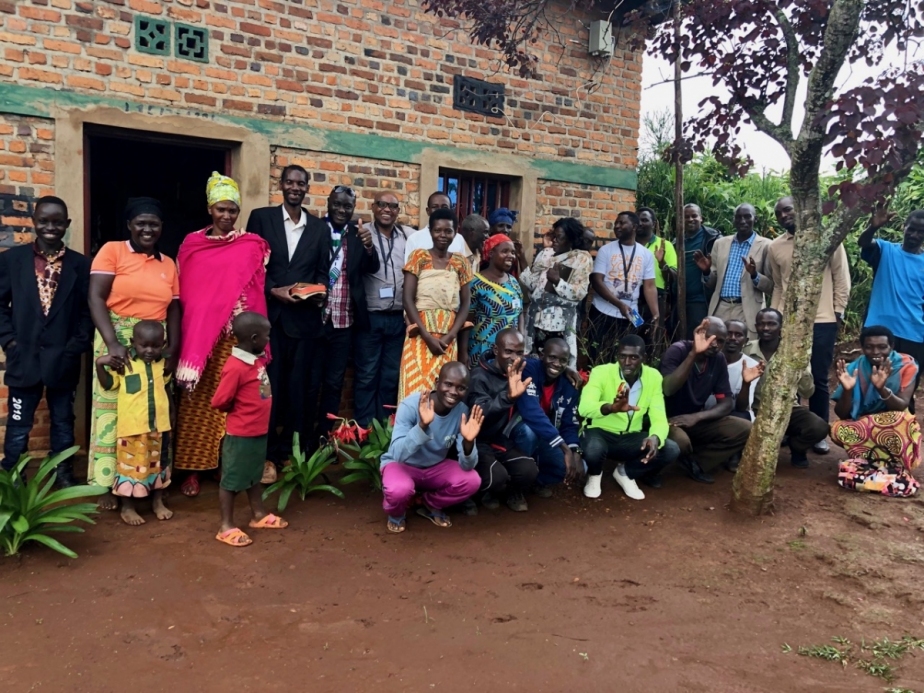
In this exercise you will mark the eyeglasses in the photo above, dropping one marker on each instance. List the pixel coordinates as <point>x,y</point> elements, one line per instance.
<point>344,189</point>
<point>393,206</point>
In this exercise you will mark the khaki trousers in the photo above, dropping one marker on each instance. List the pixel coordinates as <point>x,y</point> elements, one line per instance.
<point>711,443</point>
<point>726,311</point>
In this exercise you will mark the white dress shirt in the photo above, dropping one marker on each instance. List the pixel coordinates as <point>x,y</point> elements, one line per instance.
<point>293,231</point>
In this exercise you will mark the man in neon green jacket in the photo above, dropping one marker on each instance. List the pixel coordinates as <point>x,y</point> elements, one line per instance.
<point>625,419</point>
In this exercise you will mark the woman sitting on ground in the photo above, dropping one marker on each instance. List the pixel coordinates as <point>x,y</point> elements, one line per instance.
<point>882,439</point>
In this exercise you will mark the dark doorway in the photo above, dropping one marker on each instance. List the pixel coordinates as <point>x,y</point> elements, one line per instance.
<point>128,163</point>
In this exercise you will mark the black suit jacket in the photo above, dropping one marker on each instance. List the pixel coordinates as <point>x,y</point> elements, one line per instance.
<point>48,349</point>
<point>309,264</point>
<point>358,262</point>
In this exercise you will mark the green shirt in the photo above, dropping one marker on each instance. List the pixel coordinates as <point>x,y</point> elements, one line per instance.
<point>601,388</point>
<point>670,259</point>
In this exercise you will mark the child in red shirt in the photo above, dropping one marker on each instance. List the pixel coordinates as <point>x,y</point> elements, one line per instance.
<point>244,393</point>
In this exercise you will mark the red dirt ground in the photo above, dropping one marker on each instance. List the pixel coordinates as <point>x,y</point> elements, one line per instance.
<point>671,594</point>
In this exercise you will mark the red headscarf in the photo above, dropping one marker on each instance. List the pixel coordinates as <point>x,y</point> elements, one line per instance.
<point>493,242</point>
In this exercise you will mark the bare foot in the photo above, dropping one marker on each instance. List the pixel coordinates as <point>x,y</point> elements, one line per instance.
<point>130,516</point>
<point>108,502</point>
<point>161,511</point>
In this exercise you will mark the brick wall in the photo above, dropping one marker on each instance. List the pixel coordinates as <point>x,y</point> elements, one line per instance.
<point>358,65</point>
<point>594,205</point>
<point>26,173</point>
<point>367,177</point>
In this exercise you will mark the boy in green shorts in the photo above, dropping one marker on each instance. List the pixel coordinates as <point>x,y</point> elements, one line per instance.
<point>244,393</point>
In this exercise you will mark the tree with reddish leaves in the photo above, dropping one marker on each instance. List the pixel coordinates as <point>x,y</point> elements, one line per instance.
<point>760,52</point>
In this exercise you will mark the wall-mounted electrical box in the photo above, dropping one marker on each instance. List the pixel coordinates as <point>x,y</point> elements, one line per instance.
<point>602,42</point>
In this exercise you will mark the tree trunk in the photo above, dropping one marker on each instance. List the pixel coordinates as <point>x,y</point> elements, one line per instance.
<point>681,306</point>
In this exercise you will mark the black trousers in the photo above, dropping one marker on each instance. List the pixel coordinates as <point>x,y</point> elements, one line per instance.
<point>603,335</point>
<point>325,385</point>
<point>625,448</point>
<point>823,340</point>
<point>505,471</point>
<point>288,374</point>
<point>916,351</point>
<point>23,402</point>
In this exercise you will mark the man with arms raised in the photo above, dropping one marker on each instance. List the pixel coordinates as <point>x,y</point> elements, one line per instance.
<point>427,426</point>
<point>623,408</point>
<point>692,372</point>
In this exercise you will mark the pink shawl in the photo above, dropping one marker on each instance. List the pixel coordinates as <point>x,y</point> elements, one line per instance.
<point>219,277</point>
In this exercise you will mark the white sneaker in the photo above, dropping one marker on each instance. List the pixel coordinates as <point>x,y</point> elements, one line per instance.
<point>592,487</point>
<point>628,485</point>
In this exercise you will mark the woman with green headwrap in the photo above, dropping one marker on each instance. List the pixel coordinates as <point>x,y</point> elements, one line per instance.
<point>222,273</point>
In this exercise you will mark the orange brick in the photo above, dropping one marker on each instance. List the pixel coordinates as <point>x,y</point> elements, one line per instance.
<point>80,82</point>
<point>32,74</point>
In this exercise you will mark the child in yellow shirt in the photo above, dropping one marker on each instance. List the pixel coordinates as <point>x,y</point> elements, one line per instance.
<point>143,421</point>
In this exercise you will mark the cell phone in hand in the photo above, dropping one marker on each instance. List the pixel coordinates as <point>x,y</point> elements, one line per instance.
<point>636,318</point>
<point>565,272</point>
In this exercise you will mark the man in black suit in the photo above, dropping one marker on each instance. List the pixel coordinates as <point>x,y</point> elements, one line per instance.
<point>45,328</point>
<point>352,257</point>
<point>299,253</point>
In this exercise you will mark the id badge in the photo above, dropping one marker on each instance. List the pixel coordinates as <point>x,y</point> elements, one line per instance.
<point>636,318</point>
<point>387,292</point>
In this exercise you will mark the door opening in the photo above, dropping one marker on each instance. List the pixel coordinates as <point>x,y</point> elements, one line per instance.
<point>124,163</point>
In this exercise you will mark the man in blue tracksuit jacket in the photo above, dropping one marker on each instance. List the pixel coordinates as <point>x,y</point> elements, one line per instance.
<point>545,424</point>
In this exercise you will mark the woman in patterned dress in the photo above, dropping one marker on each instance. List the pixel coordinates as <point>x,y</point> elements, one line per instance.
<point>130,281</point>
<point>882,438</point>
<point>222,273</point>
<point>497,299</point>
<point>436,300</point>
<point>557,281</point>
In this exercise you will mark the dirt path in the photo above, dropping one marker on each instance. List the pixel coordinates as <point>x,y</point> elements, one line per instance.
<point>671,594</point>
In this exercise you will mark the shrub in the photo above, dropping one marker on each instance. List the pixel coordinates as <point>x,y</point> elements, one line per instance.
<point>302,474</point>
<point>31,511</point>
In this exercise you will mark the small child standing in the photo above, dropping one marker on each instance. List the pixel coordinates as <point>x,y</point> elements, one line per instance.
<point>244,393</point>
<point>143,408</point>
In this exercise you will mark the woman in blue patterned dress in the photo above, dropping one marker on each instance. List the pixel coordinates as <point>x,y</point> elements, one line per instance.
<point>497,299</point>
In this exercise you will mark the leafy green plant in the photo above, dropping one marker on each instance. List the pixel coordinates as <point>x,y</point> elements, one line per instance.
<point>363,461</point>
<point>31,511</point>
<point>302,474</point>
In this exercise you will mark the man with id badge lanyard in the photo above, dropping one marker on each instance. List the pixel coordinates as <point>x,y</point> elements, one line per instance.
<point>377,355</point>
<point>352,257</point>
<point>623,270</point>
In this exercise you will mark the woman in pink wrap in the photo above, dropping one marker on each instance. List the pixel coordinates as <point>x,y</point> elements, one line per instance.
<point>222,273</point>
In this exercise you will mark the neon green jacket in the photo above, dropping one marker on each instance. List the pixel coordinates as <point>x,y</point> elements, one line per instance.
<point>601,389</point>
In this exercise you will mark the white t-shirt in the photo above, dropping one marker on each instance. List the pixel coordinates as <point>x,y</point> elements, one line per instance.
<point>422,240</point>
<point>293,231</point>
<point>736,382</point>
<point>612,261</point>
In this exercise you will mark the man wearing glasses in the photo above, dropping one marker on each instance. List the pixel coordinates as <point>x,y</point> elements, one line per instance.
<point>377,352</point>
<point>352,257</point>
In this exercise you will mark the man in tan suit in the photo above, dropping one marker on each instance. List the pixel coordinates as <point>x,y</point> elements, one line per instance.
<point>735,272</point>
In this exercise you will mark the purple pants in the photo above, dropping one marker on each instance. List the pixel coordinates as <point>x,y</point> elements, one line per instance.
<point>443,484</point>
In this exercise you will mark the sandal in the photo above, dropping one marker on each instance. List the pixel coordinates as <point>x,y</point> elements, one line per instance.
<point>269,521</point>
<point>190,487</point>
<point>396,526</point>
<point>234,537</point>
<point>437,517</point>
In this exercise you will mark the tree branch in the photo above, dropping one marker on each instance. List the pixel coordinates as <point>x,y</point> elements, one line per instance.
<point>792,70</point>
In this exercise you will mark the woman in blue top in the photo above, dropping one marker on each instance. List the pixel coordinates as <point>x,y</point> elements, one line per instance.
<point>882,438</point>
<point>497,299</point>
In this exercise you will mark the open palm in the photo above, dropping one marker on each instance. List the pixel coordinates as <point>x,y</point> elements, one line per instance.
<point>471,424</point>
<point>847,380</point>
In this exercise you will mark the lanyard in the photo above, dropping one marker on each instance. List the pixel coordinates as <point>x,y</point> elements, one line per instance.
<point>625,267</point>
<point>386,259</point>
<point>335,255</point>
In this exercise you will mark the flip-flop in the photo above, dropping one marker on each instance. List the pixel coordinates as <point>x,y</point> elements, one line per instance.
<point>396,526</point>
<point>234,537</point>
<point>190,487</point>
<point>269,521</point>
<point>437,517</point>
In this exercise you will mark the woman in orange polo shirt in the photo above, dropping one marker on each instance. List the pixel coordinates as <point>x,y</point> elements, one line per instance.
<point>222,273</point>
<point>130,281</point>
